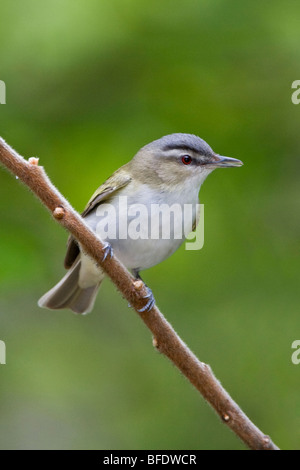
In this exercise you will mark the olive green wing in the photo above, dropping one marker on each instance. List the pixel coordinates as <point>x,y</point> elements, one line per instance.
<point>111,186</point>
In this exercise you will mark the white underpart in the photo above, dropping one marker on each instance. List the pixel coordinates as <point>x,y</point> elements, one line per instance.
<point>140,253</point>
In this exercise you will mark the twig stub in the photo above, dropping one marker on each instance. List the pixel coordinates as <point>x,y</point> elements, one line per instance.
<point>138,284</point>
<point>34,161</point>
<point>59,212</point>
<point>225,417</point>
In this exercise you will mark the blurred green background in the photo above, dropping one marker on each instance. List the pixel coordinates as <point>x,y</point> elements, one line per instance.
<point>88,83</point>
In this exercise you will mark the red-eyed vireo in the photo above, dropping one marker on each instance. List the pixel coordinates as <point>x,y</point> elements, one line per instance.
<point>167,172</point>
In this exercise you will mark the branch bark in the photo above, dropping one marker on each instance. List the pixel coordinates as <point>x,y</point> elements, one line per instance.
<point>165,339</point>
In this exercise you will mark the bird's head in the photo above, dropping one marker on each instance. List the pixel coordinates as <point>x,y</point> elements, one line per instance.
<point>176,160</point>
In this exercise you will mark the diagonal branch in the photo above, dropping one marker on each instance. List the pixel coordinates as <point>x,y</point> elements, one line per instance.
<point>165,339</point>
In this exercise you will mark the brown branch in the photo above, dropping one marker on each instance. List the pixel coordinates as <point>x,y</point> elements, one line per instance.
<point>165,339</point>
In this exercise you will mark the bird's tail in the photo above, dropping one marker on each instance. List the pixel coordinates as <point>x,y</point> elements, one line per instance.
<point>68,294</point>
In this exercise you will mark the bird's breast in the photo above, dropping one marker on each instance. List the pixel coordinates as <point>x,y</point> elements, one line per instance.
<point>145,226</point>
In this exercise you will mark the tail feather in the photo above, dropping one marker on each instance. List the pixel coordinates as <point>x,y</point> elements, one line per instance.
<point>68,294</point>
<point>84,299</point>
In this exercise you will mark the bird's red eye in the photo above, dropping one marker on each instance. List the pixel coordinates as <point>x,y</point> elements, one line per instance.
<point>186,159</point>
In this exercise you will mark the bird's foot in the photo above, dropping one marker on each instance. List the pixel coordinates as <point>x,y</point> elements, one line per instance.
<point>108,251</point>
<point>151,301</point>
<point>150,297</point>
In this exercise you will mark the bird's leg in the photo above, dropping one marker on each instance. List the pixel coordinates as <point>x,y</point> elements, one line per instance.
<point>108,251</point>
<point>136,273</point>
<point>150,297</point>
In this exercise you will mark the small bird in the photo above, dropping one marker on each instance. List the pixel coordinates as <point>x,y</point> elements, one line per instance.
<point>168,171</point>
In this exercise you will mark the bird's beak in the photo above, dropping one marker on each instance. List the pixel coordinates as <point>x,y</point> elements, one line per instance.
<point>221,162</point>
